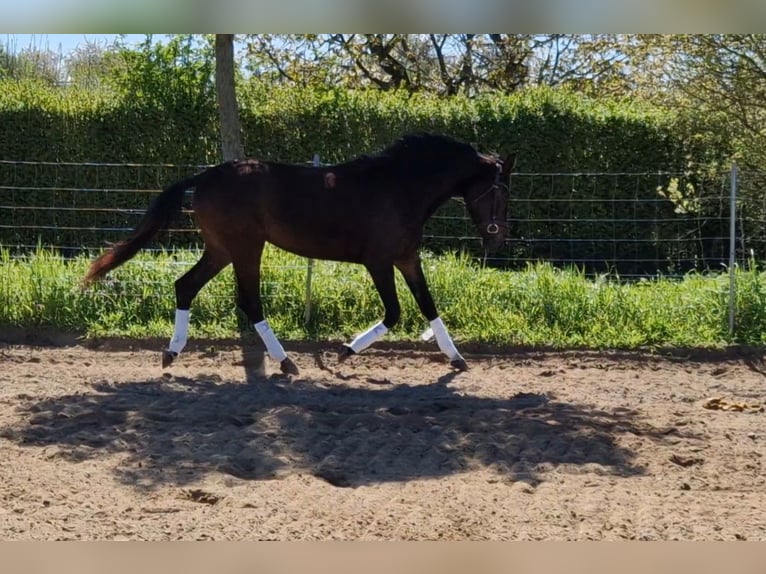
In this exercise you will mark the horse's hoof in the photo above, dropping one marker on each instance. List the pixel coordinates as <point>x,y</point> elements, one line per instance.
<point>459,364</point>
<point>167,358</point>
<point>345,352</point>
<point>288,367</point>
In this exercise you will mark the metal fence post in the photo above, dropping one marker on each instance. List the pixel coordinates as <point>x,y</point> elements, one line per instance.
<point>309,272</point>
<point>732,245</point>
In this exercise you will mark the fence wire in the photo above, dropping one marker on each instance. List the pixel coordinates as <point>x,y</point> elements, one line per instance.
<point>627,224</point>
<point>632,224</point>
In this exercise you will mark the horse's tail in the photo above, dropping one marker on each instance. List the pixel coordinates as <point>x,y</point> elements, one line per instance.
<point>158,216</point>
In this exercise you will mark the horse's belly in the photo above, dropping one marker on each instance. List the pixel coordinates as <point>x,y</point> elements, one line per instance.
<point>321,247</point>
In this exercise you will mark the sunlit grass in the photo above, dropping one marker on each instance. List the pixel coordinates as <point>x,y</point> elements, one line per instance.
<point>540,306</point>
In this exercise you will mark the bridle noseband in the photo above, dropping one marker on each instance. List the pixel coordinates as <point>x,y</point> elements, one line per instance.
<point>493,226</point>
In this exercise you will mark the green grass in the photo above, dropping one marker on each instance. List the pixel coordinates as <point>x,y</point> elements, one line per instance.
<point>540,306</point>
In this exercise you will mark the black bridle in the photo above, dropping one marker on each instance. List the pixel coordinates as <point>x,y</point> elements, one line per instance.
<point>493,225</point>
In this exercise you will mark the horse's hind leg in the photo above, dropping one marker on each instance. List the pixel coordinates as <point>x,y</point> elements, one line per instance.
<point>187,288</point>
<point>248,275</point>
<point>383,278</point>
<point>412,271</point>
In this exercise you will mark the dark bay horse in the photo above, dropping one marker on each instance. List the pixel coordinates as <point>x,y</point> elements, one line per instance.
<point>370,211</point>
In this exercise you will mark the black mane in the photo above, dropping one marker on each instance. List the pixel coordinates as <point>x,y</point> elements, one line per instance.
<point>411,154</point>
<point>422,145</point>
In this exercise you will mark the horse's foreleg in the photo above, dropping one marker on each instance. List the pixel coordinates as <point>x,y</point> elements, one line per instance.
<point>249,300</point>
<point>412,271</point>
<point>186,288</point>
<point>274,347</point>
<point>383,278</point>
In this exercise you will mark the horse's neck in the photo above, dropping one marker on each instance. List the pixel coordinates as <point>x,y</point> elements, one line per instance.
<point>433,201</point>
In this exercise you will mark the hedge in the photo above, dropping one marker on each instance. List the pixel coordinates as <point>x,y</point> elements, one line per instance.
<point>550,130</point>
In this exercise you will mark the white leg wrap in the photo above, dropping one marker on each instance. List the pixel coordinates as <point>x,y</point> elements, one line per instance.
<point>367,338</point>
<point>273,346</point>
<point>443,339</point>
<point>180,332</point>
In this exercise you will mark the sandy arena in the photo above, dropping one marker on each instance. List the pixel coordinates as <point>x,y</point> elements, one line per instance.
<point>98,443</point>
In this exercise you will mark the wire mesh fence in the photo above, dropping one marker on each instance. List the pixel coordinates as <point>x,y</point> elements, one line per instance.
<point>630,224</point>
<point>626,225</point>
<point>79,207</point>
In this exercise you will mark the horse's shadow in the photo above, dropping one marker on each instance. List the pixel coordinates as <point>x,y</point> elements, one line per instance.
<point>176,430</point>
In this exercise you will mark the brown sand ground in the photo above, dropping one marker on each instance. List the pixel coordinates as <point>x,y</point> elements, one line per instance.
<point>98,443</point>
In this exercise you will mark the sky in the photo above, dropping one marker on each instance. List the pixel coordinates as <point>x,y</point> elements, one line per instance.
<point>63,43</point>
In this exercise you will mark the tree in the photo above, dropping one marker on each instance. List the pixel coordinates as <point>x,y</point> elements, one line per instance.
<point>596,64</point>
<point>445,64</point>
<point>720,76</point>
<point>726,74</point>
<point>231,129</point>
<point>31,64</point>
<point>90,65</point>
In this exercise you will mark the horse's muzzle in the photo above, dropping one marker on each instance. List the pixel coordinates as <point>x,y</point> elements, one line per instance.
<point>492,242</point>
<point>493,236</point>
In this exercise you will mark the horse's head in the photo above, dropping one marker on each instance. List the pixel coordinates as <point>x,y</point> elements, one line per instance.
<point>487,200</point>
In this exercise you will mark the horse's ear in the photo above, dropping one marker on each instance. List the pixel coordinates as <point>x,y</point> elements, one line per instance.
<point>509,163</point>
